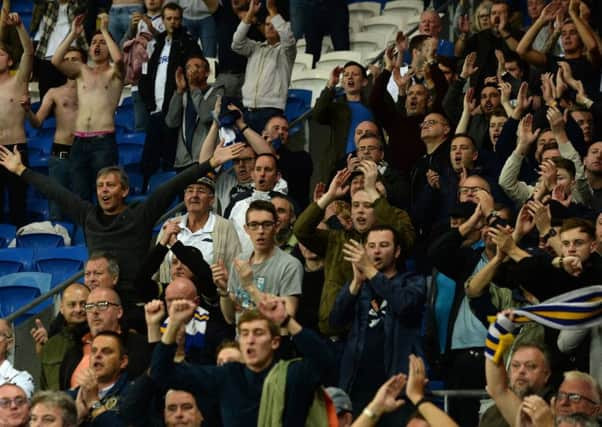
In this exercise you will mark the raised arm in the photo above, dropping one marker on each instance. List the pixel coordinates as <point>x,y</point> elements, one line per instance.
<point>36,119</point>
<point>585,33</point>
<point>114,51</point>
<point>475,285</point>
<point>497,379</point>
<point>525,45</point>
<point>69,68</point>
<point>26,64</point>
<point>256,141</point>
<point>241,43</point>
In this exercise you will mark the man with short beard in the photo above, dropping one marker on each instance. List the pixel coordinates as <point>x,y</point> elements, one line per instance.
<point>529,374</point>
<point>368,208</point>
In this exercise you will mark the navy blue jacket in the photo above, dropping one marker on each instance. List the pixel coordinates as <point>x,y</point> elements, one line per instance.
<point>405,294</point>
<point>111,417</point>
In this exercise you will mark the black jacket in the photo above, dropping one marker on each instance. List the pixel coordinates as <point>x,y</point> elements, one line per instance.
<point>182,46</point>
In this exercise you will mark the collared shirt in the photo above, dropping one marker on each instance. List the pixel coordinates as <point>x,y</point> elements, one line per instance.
<point>196,329</point>
<point>201,239</point>
<point>10,375</point>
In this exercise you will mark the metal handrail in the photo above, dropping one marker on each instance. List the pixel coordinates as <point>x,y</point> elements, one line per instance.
<point>446,394</point>
<point>59,288</point>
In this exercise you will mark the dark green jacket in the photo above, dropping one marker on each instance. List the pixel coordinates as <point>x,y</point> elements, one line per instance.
<point>333,110</point>
<point>54,352</point>
<point>328,244</point>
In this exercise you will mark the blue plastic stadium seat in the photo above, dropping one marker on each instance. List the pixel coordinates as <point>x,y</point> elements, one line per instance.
<point>7,234</point>
<point>131,138</point>
<point>159,178</point>
<point>39,148</point>
<point>124,117</point>
<point>297,103</point>
<point>130,154</point>
<point>41,281</point>
<point>40,240</point>
<point>62,263</point>
<point>14,297</point>
<point>15,260</point>
<point>136,182</point>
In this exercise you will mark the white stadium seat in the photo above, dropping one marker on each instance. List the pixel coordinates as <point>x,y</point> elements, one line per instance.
<point>403,8</point>
<point>338,57</point>
<point>367,43</point>
<point>303,61</point>
<point>385,26</point>
<point>360,11</point>
<point>314,80</point>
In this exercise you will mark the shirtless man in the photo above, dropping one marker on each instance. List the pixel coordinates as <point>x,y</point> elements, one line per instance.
<point>63,100</point>
<point>98,93</point>
<point>12,117</point>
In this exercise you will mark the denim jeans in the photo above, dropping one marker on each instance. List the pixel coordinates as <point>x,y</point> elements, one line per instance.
<point>140,112</point>
<point>88,156</point>
<point>204,29</point>
<point>120,20</point>
<point>60,171</point>
<point>299,16</point>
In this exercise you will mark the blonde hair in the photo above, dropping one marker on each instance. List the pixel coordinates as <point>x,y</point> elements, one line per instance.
<point>476,25</point>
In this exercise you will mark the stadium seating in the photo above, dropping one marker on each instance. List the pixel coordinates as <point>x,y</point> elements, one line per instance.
<point>303,61</point>
<point>41,281</point>
<point>7,233</point>
<point>366,43</point>
<point>336,58</point>
<point>60,262</point>
<point>384,26</point>
<point>13,298</point>
<point>15,260</point>
<point>297,103</point>
<point>40,240</point>
<point>360,11</point>
<point>129,154</point>
<point>403,9</point>
<point>313,80</point>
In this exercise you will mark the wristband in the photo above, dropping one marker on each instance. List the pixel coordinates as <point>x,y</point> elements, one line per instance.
<point>223,294</point>
<point>367,412</point>
<point>244,129</point>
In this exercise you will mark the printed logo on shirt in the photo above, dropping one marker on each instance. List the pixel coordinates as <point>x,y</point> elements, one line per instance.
<point>244,298</point>
<point>164,59</point>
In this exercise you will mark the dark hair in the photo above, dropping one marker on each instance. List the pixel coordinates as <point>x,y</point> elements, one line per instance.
<point>548,146</point>
<point>498,112</point>
<point>467,136</point>
<point>276,116</point>
<point>81,51</point>
<point>417,41</point>
<point>584,226</point>
<point>172,6</point>
<point>122,348</point>
<point>566,164</point>
<point>268,155</point>
<point>447,61</point>
<point>261,205</point>
<point>124,180</point>
<point>357,64</point>
<point>385,227</point>
<point>202,58</point>
<point>252,315</point>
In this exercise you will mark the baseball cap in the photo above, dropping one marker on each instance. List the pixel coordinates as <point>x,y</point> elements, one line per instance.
<point>340,399</point>
<point>205,180</point>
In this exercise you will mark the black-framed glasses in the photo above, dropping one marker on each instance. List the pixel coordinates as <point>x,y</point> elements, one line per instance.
<point>100,305</point>
<point>431,122</point>
<point>17,401</point>
<point>574,397</point>
<point>266,225</point>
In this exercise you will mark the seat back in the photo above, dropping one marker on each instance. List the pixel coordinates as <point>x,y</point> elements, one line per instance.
<point>61,263</point>
<point>40,240</point>
<point>14,260</point>
<point>13,298</point>
<point>331,60</point>
<point>7,234</point>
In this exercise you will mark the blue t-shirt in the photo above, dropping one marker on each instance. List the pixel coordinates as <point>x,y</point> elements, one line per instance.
<point>359,113</point>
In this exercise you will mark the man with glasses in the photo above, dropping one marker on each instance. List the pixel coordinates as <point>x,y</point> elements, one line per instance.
<point>14,406</point>
<point>579,393</point>
<point>263,269</point>
<point>8,374</point>
<point>103,313</point>
<point>371,147</point>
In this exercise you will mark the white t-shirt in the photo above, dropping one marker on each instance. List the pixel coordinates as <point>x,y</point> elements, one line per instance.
<point>57,33</point>
<point>161,77</point>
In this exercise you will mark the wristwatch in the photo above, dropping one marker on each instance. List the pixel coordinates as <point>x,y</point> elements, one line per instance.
<point>549,234</point>
<point>95,405</point>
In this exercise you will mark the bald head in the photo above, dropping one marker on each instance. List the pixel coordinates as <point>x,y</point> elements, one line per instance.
<point>73,303</point>
<point>365,128</point>
<point>181,288</point>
